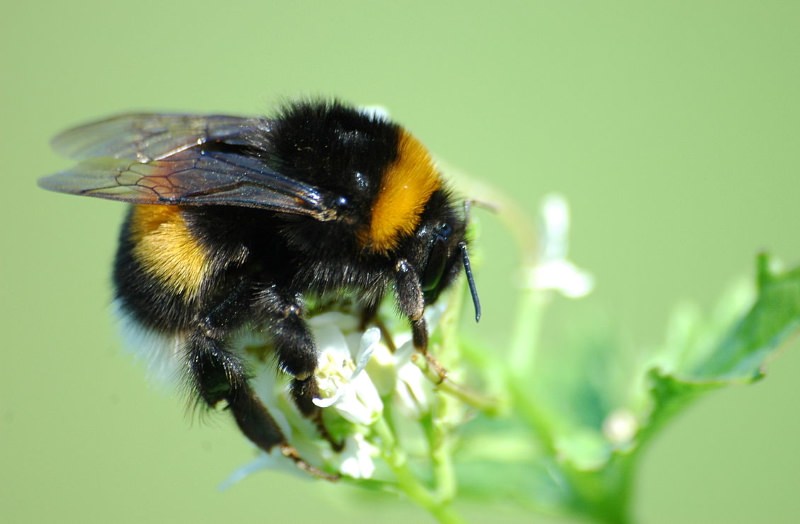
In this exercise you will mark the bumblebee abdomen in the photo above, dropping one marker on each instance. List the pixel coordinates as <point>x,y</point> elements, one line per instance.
<point>167,249</point>
<point>161,267</point>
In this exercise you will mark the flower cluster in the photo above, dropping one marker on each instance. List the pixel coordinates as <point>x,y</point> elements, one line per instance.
<point>365,388</point>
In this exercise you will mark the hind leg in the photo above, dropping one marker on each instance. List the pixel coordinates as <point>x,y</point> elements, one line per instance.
<point>220,375</point>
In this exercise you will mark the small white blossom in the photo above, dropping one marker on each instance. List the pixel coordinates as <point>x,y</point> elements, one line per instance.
<point>395,374</point>
<point>554,271</point>
<point>340,377</point>
<point>357,457</point>
<point>620,426</point>
<point>413,390</point>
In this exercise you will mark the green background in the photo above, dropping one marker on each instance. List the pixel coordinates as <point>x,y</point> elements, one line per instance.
<point>672,127</point>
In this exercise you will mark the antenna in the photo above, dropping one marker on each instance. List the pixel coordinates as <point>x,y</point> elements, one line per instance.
<point>470,280</point>
<point>467,267</point>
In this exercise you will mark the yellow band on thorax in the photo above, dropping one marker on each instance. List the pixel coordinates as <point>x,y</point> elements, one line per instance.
<point>406,187</point>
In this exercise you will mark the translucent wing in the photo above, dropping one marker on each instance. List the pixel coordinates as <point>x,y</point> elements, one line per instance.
<point>151,136</point>
<point>184,160</point>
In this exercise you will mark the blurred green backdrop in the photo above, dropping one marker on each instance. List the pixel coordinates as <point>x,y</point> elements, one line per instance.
<point>673,129</point>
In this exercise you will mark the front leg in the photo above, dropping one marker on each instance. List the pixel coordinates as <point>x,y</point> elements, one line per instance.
<point>219,375</point>
<point>411,302</point>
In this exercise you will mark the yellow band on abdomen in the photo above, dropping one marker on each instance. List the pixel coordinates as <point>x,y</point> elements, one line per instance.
<point>166,249</point>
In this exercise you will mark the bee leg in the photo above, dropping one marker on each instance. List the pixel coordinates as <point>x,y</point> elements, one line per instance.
<point>296,354</point>
<point>220,375</point>
<point>411,302</point>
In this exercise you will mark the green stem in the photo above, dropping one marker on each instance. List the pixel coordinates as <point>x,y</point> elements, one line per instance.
<point>407,482</point>
<point>527,328</point>
<point>443,467</point>
<point>488,405</point>
<point>522,358</point>
<point>440,444</point>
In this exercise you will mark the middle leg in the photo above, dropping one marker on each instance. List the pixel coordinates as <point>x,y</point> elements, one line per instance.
<point>296,352</point>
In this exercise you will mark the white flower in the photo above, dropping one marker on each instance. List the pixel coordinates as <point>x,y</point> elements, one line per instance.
<point>342,382</point>
<point>620,427</point>
<point>396,375</point>
<point>413,390</point>
<point>356,458</point>
<point>554,271</point>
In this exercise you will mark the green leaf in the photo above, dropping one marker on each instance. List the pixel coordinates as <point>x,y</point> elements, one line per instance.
<point>559,450</point>
<point>737,355</point>
<point>741,355</point>
<point>499,460</point>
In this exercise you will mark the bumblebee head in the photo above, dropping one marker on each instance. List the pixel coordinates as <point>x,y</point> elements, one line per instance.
<point>439,249</point>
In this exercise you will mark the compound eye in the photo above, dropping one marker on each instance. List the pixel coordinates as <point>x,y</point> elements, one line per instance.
<point>437,258</point>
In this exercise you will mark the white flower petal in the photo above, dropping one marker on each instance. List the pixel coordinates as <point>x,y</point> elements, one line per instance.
<point>272,461</point>
<point>554,271</point>
<point>403,354</point>
<point>562,276</point>
<point>330,401</point>
<point>357,458</point>
<point>555,218</point>
<point>369,341</point>
<point>360,402</point>
<point>381,369</point>
<point>413,391</point>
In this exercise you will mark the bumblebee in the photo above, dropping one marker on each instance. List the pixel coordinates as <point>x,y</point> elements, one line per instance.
<point>236,222</point>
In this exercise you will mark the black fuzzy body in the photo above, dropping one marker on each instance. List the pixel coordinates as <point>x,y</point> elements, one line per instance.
<point>261,265</point>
